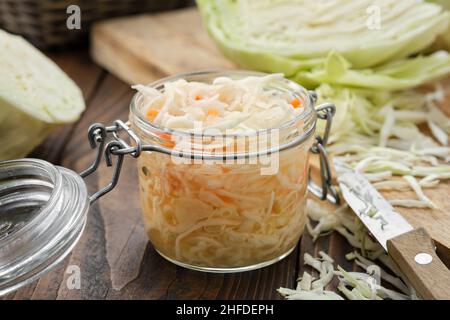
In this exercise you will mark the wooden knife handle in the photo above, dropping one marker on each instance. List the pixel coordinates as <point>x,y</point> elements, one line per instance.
<point>415,255</point>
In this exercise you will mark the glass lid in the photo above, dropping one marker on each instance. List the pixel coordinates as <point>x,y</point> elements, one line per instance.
<point>43,211</point>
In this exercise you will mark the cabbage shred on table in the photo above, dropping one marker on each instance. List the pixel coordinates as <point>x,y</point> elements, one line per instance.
<point>380,279</point>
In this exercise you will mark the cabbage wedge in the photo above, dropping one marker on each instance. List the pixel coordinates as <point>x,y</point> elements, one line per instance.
<point>35,95</point>
<point>285,35</point>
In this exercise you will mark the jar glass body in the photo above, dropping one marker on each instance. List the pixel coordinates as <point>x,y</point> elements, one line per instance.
<point>220,214</point>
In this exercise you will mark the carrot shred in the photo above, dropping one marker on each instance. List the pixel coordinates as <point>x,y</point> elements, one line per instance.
<point>152,113</point>
<point>225,169</point>
<point>296,103</point>
<point>165,136</point>
<point>169,144</point>
<point>226,199</point>
<point>166,139</point>
<point>212,112</point>
<point>198,97</point>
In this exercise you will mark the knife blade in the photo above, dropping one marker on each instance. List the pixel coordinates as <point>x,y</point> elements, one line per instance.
<point>411,249</point>
<point>372,208</point>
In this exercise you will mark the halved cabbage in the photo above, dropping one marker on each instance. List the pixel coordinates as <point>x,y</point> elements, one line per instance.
<point>35,94</point>
<point>292,35</point>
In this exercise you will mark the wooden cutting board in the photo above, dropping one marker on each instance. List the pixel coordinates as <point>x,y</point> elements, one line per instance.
<point>144,48</point>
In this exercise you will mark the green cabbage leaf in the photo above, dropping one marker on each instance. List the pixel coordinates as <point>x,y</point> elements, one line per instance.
<point>397,75</point>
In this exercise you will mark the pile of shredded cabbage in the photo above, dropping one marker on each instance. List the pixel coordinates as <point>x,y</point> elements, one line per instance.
<point>367,285</point>
<point>379,134</point>
<point>227,105</point>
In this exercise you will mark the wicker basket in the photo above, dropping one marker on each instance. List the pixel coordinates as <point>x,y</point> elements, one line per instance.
<point>43,22</point>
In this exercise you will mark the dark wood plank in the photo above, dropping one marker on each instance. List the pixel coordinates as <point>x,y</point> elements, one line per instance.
<point>160,279</point>
<point>111,98</point>
<point>47,286</point>
<point>89,256</point>
<point>126,240</point>
<point>87,76</point>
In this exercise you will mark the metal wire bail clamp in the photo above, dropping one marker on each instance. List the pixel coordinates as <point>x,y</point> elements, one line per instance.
<point>327,191</point>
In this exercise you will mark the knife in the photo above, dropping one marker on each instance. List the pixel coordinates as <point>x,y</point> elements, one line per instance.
<point>412,250</point>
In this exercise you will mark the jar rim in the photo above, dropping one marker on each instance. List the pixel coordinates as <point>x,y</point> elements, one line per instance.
<point>307,115</point>
<point>57,184</point>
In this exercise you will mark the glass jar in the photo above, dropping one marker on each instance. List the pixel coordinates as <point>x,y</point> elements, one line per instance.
<point>225,203</point>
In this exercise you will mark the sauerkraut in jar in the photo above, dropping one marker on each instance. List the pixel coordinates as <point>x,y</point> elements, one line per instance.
<point>231,196</point>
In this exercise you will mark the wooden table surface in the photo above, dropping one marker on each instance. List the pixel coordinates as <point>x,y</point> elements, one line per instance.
<point>114,252</point>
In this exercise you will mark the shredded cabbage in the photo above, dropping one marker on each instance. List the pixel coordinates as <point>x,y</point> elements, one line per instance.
<point>231,105</point>
<point>385,140</point>
<point>223,216</point>
<point>367,285</point>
